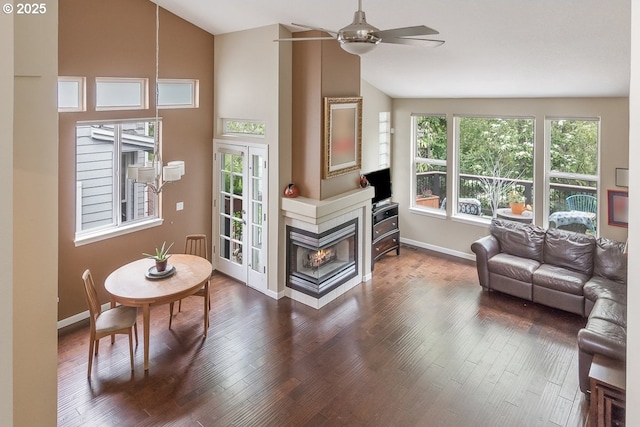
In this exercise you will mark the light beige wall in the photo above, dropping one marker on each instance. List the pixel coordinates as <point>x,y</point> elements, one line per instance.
<point>253,82</point>
<point>373,103</point>
<point>456,236</point>
<point>6,217</point>
<point>633,322</point>
<point>35,201</point>
<point>122,44</point>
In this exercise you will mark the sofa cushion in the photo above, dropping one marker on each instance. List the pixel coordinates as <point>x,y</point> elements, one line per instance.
<point>599,287</point>
<point>570,250</point>
<point>522,240</point>
<point>560,279</point>
<point>512,266</point>
<point>610,261</point>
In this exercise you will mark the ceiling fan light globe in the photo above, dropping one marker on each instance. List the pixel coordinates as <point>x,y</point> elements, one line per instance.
<point>357,47</point>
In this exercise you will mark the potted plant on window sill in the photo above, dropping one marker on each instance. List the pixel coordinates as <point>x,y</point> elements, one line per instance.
<point>161,257</point>
<point>516,202</point>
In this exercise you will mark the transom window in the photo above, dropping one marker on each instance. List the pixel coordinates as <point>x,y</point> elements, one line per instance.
<point>237,127</point>
<point>106,201</point>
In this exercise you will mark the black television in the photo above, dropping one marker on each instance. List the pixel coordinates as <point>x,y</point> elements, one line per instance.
<point>381,181</point>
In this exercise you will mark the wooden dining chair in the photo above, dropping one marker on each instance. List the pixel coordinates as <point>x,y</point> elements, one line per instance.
<point>116,320</point>
<point>196,244</point>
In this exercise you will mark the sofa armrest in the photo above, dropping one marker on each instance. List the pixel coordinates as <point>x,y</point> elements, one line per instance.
<point>603,337</point>
<point>485,248</point>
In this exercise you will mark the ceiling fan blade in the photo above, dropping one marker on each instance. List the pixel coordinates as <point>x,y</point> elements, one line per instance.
<point>414,42</point>
<point>418,30</point>
<point>303,39</point>
<point>316,28</point>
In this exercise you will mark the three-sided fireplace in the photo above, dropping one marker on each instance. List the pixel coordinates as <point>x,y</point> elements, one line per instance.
<point>319,263</point>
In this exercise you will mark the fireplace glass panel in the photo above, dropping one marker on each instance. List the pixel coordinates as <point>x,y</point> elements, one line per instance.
<point>319,263</point>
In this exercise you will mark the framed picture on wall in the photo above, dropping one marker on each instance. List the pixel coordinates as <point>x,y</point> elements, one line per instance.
<point>342,135</point>
<point>618,208</point>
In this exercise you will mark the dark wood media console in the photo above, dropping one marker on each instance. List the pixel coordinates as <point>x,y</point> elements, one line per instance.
<point>385,235</point>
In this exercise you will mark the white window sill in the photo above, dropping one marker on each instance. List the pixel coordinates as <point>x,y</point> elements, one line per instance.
<point>87,238</point>
<point>437,213</point>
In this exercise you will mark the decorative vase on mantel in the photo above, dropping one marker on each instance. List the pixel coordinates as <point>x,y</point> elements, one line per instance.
<point>516,208</point>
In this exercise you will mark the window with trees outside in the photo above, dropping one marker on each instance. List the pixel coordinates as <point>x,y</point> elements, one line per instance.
<point>495,164</point>
<point>572,173</point>
<point>430,161</point>
<point>106,201</point>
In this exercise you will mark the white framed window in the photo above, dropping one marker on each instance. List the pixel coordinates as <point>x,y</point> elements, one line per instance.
<point>72,94</point>
<point>572,172</point>
<point>118,93</point>
<point>495,160</point>
<point>429,152</point>
<point>241,127</point>
<point>384,120</point>
<point>178,93</point>
<point>107,203</point>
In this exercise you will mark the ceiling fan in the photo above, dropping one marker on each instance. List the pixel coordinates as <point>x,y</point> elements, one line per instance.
<point>360,37</point>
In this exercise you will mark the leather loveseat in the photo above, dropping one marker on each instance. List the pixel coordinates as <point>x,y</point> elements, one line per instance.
<point>570,271</point>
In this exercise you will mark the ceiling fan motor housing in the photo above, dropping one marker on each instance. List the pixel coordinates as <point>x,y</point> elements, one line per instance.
<point>359,31</point>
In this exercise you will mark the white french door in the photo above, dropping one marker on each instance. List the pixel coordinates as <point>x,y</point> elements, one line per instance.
<point>240,214</point>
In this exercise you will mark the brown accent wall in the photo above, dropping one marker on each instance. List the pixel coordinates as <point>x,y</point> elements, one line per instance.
<point>320,69</point>
<point>116,38</point>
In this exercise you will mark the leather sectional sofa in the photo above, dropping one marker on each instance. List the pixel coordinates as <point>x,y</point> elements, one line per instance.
<point>570,271</point>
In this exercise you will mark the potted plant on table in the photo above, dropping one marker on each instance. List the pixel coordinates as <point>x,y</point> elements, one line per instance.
<point>161,257</point>
<point>516,201</point>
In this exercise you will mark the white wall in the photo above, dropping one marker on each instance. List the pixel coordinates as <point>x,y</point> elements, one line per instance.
<point>456,237</point>
<point>633,321</point>
<point>252,80</point>
<point>35,219</point>
<point>373,103</point>
<point>6,218</point>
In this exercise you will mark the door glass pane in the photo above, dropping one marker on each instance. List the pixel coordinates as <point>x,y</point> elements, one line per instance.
<point>236,254</point>
<point>257,237</point>
<point>257,189</point>
<point>237,184</point>
<point>255,260</point>
<point>257,213</point>
<point>231,208</point>
<point>226,182</point>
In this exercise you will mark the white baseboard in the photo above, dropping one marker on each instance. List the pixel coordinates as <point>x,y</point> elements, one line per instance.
<point>470,257</point>
<point>78,317</point>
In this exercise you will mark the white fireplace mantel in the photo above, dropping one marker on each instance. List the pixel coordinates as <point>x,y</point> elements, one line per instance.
<point>315,212</point>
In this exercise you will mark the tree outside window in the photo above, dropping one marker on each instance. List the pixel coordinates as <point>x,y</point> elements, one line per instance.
<point>496,159</point>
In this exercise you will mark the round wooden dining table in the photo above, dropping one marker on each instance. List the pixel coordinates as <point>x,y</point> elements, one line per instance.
<point>130,286</point>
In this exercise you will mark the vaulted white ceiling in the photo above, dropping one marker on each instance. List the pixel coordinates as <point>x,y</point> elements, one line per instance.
<point>494,48</point>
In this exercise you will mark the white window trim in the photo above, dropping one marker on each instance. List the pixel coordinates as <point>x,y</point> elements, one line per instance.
<point>82,93</point>
<point>99,235</point>
<point>195,93</point>
<point>113,230</point>
<point>144,93</point>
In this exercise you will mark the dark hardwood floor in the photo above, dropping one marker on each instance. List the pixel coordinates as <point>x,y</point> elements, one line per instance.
<point>419,345</point>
